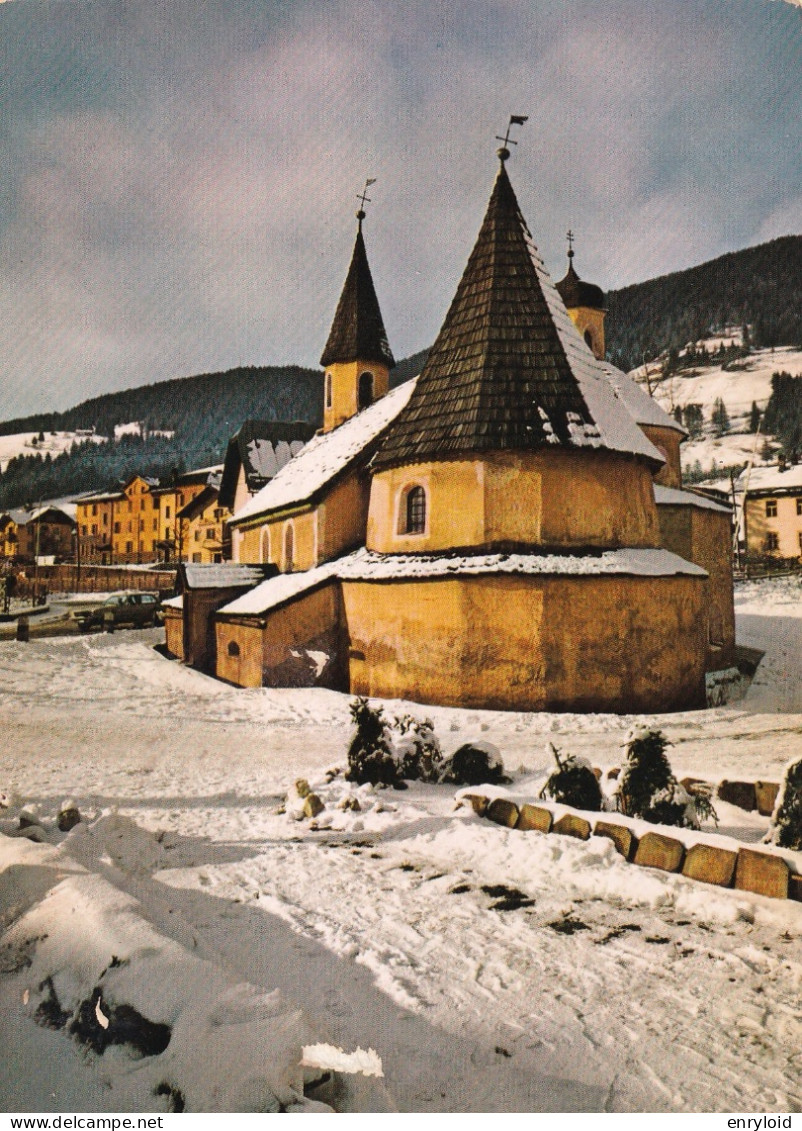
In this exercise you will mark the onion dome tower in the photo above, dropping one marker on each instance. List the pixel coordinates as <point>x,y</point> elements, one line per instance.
<point>585,303</point>
<point>357,358</point>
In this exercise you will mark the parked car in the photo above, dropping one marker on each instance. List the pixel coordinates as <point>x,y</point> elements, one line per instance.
<point>139,610</point>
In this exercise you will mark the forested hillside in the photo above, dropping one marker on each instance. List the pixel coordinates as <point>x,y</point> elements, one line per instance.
<point>760,287</point>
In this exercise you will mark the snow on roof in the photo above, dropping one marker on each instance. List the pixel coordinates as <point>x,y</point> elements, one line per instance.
<point>365,565</point>
<point>325,456</point>
<point>642,407</point>
<point>277,590</point>
<point>670,497</point>
<point>772,478</point>
<point>223,575</point>
<point>174,602</point>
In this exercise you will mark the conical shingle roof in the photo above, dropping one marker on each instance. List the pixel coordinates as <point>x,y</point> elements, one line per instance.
<point>357,332</point>
<point>509,370</point>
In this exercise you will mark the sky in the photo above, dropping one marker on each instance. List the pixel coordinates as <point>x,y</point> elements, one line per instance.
<point>178,178</point>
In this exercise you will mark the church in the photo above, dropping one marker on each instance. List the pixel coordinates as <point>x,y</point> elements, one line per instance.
<point>508,530</point>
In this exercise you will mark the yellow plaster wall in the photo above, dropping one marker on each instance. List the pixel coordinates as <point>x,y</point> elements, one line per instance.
<point>252,544</point>
<point>174,632</point>
<point>588,320</point>
<point>559,643</point>
<point>786,525</point>
<point>343,516</point>
<point>705,538</point>
<point>274,655</point>
<point>668,442</point>
<point>545,498</point>
<point>345,389</point>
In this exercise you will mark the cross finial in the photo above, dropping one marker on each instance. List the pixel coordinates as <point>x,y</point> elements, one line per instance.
<point>570,237</point>
<point>515,120</point>
<point>364,199</point>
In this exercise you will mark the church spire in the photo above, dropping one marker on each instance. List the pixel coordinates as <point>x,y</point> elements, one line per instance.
<point>507,371</point>
<point>357,357</point>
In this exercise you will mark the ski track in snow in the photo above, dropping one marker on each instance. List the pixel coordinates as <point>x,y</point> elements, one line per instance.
<point>604,992</point>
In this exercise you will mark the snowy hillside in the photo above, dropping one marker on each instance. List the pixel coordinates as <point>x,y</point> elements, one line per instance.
<point>740,384</point>
<point>52,443</point>
<point>490,970</point>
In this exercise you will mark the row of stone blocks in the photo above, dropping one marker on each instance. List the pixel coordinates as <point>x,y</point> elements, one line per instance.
<point>745,869</point>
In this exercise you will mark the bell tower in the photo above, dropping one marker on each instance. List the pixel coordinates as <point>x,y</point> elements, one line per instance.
<point>357,359</point>
<point>585,303</point>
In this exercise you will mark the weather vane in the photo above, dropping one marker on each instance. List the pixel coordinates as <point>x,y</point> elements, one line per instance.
<point>515,120</point>
<point>364,199</point>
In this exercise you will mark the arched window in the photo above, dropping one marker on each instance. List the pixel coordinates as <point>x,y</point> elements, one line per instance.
<point>328,390</point>
<point>414,511</point>
<point>233,648</point>
<point>289,548</point>
<point>365,390</point>
<point>264,544</point>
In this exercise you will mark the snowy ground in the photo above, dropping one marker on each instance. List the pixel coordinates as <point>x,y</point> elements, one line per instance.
<point>187,895</point>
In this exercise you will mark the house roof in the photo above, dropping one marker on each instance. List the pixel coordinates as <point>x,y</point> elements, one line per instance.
<point>357,332</point>
<point>771,480</point>
<point>279,590</point>
<point>642,407</point>
<point>576,292</point>
<point>509,370</point>
<point>671,497</point>
<point>223,575</point>
<point>261,448</point>
<point>197,505</point>
<point>327,456</point>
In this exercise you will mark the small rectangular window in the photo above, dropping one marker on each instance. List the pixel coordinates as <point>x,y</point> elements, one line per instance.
<point>772,542</point>
<point>771,508</point>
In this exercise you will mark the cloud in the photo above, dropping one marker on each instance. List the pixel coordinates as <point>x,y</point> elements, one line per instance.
<point>178,182</point>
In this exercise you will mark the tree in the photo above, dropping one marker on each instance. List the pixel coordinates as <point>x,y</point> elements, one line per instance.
<point>786,821</point>
<point>754,418</point>
<point>647,787</point>
<point>573,783</point>
<point>694,421</point>
<point>720,418</point>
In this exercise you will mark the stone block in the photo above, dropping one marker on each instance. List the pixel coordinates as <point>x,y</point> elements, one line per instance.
<point>795,887</point>
<point>689,783</point>
<point>740,793</point>
<point>766,796</point>
<point>710,864</point>
<point>476,801</point>
<point>762,873</point>
<point>503,812</point>
<point>657,851</point>
<point>571,825</point>
<point>533,817</point>
<point>313,805</point>
<point>622,837</point>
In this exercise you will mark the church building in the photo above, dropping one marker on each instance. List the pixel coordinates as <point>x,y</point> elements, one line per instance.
<point>508,530</point>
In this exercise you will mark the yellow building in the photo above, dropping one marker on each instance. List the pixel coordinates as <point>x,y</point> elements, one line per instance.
<point>772,514</point>
<point>511,550</point>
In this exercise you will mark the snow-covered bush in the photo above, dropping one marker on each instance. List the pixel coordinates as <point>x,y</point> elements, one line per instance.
<point>371,757</point>
<point>573,783</point>
<point>417,749</point>
<point>786,820</point>
<point>647,787</point>
<point>475,763</point>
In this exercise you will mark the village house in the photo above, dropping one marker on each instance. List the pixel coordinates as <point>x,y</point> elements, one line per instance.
<point>138,523</point>
<point>772,510</point>
<point>508,530</point>
<point>41,532</point>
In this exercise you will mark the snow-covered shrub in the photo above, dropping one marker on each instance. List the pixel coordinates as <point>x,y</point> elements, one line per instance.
<point>647,787</point>
<point>786,820</point>
<point>370,756</point>
<point>417,749</point>
<point>475,763</point>
<point>573,783</point>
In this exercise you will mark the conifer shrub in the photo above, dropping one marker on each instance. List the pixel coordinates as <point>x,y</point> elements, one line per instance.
<point>573,783</point>
<point>648,789</point>
<point>417,749</point>
<point>786,821</point>
<point>370,754</point>
<point>475,763</point>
